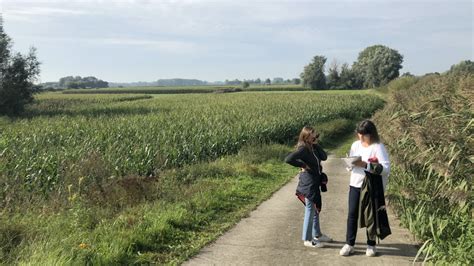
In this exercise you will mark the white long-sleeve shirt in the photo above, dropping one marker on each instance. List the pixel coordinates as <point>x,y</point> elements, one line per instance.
<point>374,150</point>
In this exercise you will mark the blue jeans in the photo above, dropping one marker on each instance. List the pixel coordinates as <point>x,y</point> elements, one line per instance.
<point>311,227</point>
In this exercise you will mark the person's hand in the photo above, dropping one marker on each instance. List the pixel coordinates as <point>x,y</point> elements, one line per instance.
<point>360,163</point>
<point>305,168</point>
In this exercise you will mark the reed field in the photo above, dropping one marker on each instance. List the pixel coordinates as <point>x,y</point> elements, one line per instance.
<point>428,128</point>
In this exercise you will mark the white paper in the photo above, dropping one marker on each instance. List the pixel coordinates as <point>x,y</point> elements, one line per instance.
<point>349,161</point>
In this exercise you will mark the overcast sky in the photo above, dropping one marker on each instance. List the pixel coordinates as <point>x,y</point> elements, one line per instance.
<point>122,41</point>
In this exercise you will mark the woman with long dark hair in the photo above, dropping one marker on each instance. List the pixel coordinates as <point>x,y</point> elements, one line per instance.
<point>370,149</point>
<point>308,157</point>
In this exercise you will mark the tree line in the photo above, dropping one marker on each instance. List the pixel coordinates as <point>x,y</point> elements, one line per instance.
<point>78,82</point>
<point>258,81</point>
<point>375,66</point>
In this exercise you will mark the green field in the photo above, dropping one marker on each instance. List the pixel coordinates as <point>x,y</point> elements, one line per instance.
<point>134,135</point>
<point>134,178</point>
<point>121,179</point>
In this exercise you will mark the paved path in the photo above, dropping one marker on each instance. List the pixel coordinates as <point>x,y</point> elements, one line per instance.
<point>271,235</point>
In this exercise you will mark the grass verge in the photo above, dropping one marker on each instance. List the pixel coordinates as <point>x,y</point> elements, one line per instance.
<point>196,204</point>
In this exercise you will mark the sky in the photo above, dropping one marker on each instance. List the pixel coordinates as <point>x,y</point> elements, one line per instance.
<point>139,40</point>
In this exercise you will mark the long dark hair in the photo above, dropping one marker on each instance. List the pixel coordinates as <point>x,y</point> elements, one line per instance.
<point>367,127</point>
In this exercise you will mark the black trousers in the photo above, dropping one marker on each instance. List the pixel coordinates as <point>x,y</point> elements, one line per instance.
<point>353,216</point>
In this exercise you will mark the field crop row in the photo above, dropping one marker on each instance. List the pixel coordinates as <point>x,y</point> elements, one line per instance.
<point>92,138</point>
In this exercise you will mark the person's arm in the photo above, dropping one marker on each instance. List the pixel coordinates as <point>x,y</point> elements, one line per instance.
<point>296,158</point>
<point>382,156</point>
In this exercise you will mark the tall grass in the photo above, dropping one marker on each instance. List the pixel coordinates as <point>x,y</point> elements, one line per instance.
<point>428,128</point>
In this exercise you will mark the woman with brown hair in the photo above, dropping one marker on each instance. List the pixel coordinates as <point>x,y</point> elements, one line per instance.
<point>308,157</point>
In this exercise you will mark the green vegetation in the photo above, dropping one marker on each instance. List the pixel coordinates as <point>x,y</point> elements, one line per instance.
<point>130,179</point>
<point>78,82</point>
<point>463,67</point>
<point>150,220</point>
<point>121,137</point>
<point>428,128</point>
<point>17,74</point>
<point>313,74</point>
<point>375,66</point>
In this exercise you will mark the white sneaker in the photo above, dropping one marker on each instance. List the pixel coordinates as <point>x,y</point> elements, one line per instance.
<point>346,250</point>
<point>314,244</point>
<point>371,251</point>
<point>323,238</point>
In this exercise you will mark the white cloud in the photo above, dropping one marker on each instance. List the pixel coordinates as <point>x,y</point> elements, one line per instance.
<point>164,46</point>
<point>175,47</point>
<point>46,11</point>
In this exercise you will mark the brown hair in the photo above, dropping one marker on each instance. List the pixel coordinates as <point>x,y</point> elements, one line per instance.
<point>305,137</point>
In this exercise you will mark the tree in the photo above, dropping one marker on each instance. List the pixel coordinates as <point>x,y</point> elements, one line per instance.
<point>347,78</point>
<point>245,85</point>
<point>17,74</point>
<point>65,80</point>
<point>296,81</point>
<point>268,82</point>
<point>278,80</point>
<point>77,82</point>
<point>333,79</point>
<point>313,74</point>
<point>377,65</point>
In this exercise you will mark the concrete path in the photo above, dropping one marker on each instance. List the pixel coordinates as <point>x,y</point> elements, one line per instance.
<point>271,235</point>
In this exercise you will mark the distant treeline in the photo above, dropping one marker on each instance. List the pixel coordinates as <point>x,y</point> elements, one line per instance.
<point>76,82</point>
<point>184,89</point>
<point>180,82</point>
<point>142,91</point>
